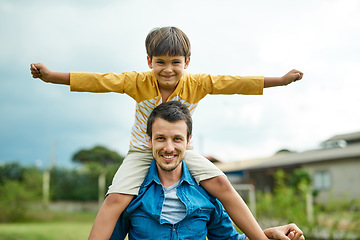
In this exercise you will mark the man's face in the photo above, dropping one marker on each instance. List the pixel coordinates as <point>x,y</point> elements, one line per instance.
<point>168,70</point>
<point>169,143</point>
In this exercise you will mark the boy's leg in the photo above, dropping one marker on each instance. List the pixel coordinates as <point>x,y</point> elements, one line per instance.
<point>216,183</point>
<point>124,187</point>
<point>131,173</point>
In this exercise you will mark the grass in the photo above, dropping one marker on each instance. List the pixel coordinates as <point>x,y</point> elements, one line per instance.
<point>46,225</point>
<point>45,231</point>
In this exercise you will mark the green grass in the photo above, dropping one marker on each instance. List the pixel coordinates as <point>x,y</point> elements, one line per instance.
<point>45,225</point>
<point>45,231</point>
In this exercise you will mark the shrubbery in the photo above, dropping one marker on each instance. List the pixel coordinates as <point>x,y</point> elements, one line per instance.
<point>335,220</point>
<point>22,186</point>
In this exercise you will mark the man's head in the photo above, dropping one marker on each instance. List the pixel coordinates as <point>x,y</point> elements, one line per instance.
<point>169,129</point>
<point>168,50</point>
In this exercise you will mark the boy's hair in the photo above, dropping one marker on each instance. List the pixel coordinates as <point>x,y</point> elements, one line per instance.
<point>167,41</point>
<point>170,111</point>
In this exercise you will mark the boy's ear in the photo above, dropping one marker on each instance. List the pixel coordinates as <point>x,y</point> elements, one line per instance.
<point>149,62</point>
<point>188,144</point>
<point>187,62</point>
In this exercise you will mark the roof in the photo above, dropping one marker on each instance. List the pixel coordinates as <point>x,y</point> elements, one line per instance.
<point>294,159</point>
<point>347,137</point>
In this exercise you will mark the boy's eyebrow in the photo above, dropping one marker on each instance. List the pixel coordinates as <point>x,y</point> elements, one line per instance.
<point>178,58</point>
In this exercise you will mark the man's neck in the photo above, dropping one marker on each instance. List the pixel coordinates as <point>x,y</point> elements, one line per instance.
<point>169,178</point>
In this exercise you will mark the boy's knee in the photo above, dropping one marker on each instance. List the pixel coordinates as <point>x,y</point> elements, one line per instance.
<point>118,198</point>
<point>219,183</point>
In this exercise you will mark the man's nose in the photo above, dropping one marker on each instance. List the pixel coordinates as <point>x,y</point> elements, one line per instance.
<point>169,146</point>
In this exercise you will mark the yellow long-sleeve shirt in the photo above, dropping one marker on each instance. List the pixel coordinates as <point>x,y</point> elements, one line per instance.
<point>143,88</point>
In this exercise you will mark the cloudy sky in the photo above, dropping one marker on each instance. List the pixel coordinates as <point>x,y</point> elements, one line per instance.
<point>269,38</point>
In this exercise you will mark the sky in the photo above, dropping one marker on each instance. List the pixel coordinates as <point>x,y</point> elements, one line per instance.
<point>41,121</point>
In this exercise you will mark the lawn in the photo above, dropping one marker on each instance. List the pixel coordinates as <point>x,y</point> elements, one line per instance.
<point>47,225</point>
<point>45,231</point>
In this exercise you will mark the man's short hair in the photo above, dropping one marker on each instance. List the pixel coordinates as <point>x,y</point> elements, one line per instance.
<point>170,111</point>
<point>167,41</point>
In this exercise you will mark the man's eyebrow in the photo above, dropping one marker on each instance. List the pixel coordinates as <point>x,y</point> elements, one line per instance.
<point>179,135</point>
<point>158,134</point>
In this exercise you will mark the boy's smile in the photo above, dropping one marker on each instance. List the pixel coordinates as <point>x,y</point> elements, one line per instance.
<point>168,70</point>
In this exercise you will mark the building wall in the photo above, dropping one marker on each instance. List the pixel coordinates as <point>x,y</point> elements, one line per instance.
<point>344,177</point>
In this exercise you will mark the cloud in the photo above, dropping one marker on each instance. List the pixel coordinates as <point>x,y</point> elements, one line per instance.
<point>233,37</point>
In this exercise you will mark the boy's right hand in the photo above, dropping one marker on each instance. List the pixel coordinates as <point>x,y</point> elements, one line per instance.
<point>39,70</point>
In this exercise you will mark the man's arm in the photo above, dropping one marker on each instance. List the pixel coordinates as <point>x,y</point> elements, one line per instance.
<point>292,76</point>
<point>108,215</point>
<point>220,225</point>
<point>39,70</point>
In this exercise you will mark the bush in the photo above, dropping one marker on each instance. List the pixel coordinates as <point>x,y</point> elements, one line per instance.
<point>287,203</point>
<point>13,202</point>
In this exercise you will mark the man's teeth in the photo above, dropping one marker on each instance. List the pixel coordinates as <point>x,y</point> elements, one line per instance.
<point>168,157</point>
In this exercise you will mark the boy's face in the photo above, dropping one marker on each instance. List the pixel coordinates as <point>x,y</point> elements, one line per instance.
<point>169,143</point>
<point>168,70</point>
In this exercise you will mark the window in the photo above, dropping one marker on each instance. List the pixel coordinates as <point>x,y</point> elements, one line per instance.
<point>322,180</point>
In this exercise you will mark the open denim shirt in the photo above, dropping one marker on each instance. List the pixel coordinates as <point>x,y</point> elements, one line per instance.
<point>205,216</point>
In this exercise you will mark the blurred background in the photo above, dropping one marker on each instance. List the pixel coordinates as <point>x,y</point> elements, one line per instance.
<point>42,126</point>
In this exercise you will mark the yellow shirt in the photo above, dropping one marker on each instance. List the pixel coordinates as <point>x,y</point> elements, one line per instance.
<point>144,89</point>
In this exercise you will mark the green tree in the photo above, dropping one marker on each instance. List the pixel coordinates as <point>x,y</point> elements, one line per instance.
<point>19,186</point>
<point>288,202</point>
<point>98,160</point>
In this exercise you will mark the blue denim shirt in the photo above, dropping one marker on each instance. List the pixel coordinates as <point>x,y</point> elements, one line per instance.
<point>205,216</point>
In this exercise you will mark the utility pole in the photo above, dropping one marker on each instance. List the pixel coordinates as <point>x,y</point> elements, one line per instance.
<point>46,177</point>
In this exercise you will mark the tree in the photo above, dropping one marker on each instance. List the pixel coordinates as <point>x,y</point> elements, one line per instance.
<point>98,160</point>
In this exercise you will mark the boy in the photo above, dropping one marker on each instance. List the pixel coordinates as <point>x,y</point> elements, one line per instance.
<point>168,55</point>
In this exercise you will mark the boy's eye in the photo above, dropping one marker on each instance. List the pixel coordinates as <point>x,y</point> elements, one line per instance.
<point>160,62</point>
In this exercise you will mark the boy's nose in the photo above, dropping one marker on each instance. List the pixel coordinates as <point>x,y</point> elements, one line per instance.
<point>168,68</point>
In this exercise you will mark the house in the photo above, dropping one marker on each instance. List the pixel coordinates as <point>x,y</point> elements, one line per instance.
<point>334,168</point>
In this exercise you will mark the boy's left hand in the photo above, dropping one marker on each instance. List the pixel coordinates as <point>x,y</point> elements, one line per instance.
<point>292,76</point>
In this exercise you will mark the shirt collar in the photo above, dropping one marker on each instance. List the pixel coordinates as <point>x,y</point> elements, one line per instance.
<point>153,176</point>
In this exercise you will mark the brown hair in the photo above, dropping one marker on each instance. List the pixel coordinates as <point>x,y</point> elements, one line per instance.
<point>171,111</point>
<point>167,41</point>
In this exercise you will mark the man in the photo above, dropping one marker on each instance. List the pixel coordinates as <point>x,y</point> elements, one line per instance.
<point>170,205</point>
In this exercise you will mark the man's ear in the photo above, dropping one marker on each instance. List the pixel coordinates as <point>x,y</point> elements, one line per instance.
<point>149,143</point>
<point>188,144</point>
<point>187,62</point>
<point>149,62</point>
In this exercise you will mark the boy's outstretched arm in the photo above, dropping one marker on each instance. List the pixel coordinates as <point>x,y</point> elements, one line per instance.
<point>39,70</point>
<point>292,76</point>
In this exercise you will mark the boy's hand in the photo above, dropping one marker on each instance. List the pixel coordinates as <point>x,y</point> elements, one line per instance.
<point>39,70</point>
<point>292,76</point>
